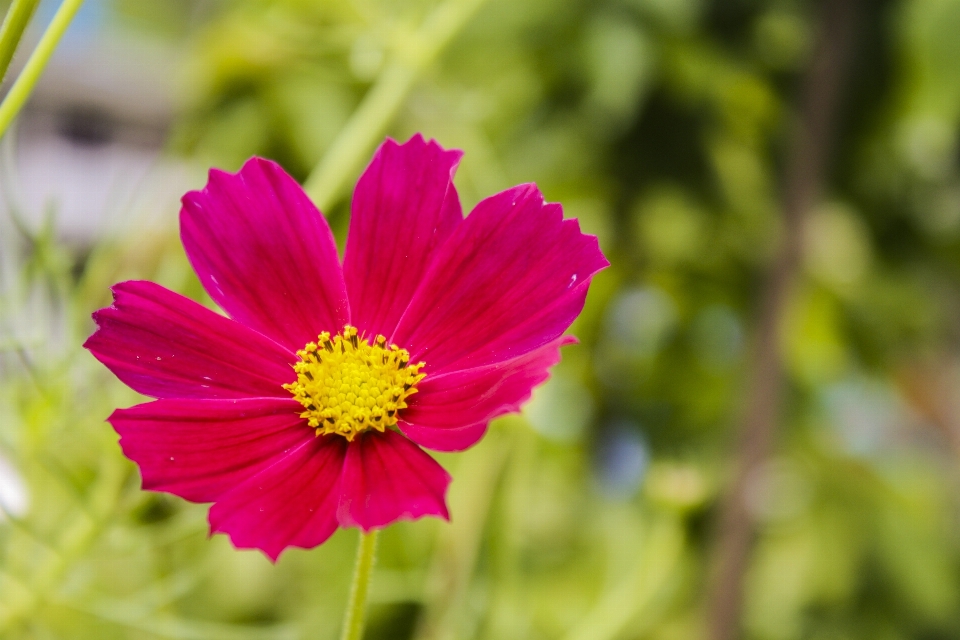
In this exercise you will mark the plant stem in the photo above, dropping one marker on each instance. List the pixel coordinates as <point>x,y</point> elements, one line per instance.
<point>27,80</point>
<point>14,24</point>
<point>384,99</point>
<point>355,616</point>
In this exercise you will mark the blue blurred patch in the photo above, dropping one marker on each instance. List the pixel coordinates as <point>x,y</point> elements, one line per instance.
<point>622,459</point>
<point>87,26</point>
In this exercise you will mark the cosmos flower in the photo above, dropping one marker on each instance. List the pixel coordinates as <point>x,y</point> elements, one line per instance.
<point>306,409</point>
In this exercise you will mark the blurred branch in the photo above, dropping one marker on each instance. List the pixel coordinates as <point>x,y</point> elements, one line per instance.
<point>384,99</point>
<point>27,80</point>
<point>10,343</point>
<point>31,370</point>
<point>930,388</point>
<point>806,161</point>
<point>11,32</point>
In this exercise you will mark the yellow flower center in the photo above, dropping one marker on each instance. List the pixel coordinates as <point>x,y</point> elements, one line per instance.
<point>349,386</point>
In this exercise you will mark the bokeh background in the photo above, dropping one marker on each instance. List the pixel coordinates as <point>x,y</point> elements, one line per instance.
<point>758,435</point>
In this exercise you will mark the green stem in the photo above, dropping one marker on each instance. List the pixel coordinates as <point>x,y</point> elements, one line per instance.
<point>384,99</point>
<point>355,617</point>
<point>14,24</point>
<point>27,80</point>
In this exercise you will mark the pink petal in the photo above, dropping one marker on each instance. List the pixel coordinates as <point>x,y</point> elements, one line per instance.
<point>404,207</point>
<point>292,503</point>
<point>265,253</point>
<point>510,279</point>
<point>447,438</point>
<point>387,478</point>
<point>167,346</point>
<point>201,449</point>
<point>450,411</point>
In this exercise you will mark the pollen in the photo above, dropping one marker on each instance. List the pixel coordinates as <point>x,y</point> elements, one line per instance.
<point>348,385</point>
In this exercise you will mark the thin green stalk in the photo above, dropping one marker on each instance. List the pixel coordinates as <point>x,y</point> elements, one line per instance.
<point>27,80</point>
<point>384,99</point>
<point>355,616</point>
<point>11,31</point>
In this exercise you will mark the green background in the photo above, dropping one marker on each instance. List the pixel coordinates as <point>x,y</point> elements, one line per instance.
<point>665,127</point>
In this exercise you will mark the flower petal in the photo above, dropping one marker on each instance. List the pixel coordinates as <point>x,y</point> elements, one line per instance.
<point>167,346</point>
<point>510,279</point>
<point>201,449</point>
<point>292,503</point>
<point>404,207</point>
<point>387,478</point>
<point>447,438</point>
<point>265,253</point>
<point>450,411</point>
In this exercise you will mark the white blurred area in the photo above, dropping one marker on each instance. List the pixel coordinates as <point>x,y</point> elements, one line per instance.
<point>14,498</point>
<point>87,151</point>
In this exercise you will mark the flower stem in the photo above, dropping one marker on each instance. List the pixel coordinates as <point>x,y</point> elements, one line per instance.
<point>14,24</point>
<point>27,80</point>
<point>353,620</point>
<point>383,100</point>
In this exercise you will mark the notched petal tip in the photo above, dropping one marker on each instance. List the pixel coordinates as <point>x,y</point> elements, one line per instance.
<point>116,291</point>
<point>291,503</point>
<point>272,554</point>
<point>511,279</point>
<point>202,449</point>
<point>417,144</point>
<point>386,478</point>
<point>163,344</point>
<point>265,253</point>
<point>404,207</point>
<point>217,176</point>
<point>237,541</point>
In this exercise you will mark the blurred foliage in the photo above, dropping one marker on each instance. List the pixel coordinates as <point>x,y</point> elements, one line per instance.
<point>661,125</point>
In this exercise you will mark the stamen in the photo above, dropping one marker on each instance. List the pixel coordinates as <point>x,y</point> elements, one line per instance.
<point>349,386</point>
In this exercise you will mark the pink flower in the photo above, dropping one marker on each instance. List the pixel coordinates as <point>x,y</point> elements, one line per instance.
<point>305,410</point>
